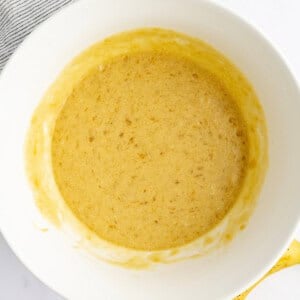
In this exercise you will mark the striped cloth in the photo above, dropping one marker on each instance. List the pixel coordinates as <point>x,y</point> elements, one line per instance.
<point>18,18</point>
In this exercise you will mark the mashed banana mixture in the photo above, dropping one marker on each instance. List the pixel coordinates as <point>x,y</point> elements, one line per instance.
<point>149,145</point>
<point>149,151</point>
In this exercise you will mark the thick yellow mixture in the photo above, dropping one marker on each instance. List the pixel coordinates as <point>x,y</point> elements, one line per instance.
<point>150,138</point>
<point>149,151</point>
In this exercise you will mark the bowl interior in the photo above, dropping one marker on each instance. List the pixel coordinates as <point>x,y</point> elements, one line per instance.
<point>220,274</point>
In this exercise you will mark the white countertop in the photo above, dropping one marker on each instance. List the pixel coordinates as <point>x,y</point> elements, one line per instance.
<point>279,20</point>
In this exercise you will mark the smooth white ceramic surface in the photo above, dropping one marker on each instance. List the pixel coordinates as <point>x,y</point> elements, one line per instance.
<point>282,285</point>
<point>253,251</point>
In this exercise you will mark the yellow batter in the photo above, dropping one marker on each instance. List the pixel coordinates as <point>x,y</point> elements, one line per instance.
<point>150,146</point>
<point>149,151</point>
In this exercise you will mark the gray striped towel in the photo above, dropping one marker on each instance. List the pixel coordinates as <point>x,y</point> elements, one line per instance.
<point>18,18</point>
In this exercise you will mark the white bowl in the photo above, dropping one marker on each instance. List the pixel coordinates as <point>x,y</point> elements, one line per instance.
<point>221,274</point>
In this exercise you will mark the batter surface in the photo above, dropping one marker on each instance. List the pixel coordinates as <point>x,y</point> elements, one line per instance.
<point>149,150</point>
